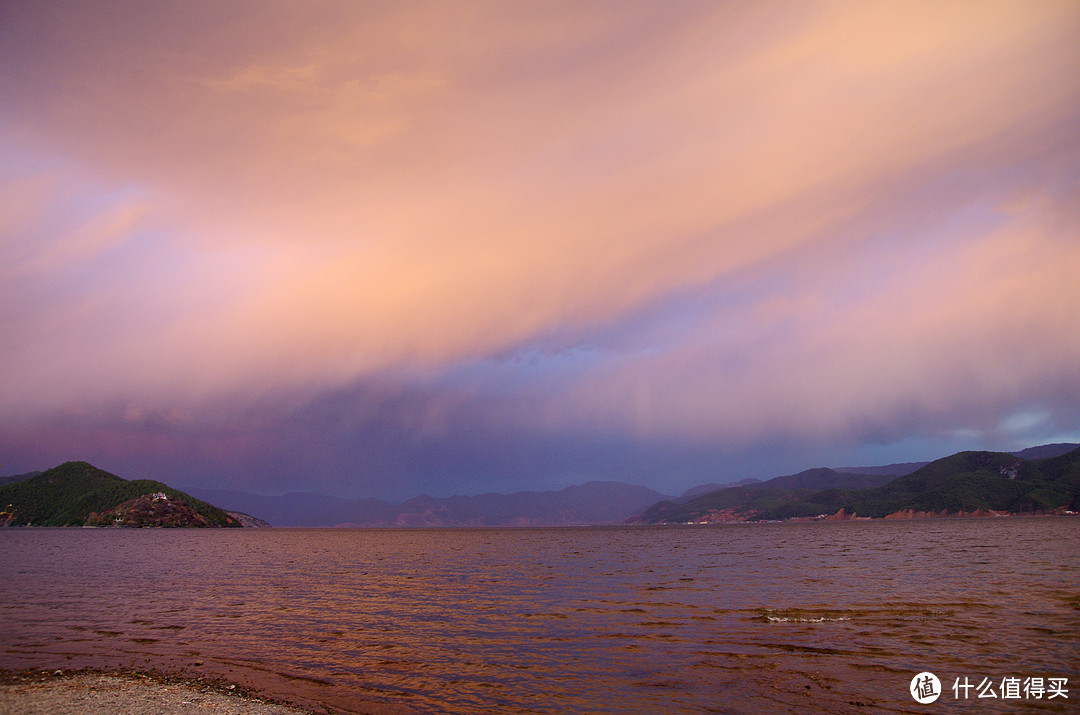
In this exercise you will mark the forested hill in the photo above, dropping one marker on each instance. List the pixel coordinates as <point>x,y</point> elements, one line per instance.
<point>79,494</point>
<point>966,482</point>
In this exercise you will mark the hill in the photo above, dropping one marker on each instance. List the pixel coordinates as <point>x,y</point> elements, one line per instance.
<point>896,470</point>
<point>825,478</point>
<point>886,470</point>
<point>865,477</point>
<point>79,494</point>
<point>1044,451</point>
<point>965,482</point>
<point>17,478</point>
<point>713,486</point>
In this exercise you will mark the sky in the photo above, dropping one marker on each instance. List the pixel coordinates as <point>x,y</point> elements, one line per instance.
<point>392,248</point>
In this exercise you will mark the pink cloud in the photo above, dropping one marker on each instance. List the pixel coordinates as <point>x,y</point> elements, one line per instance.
<point>325,197</point>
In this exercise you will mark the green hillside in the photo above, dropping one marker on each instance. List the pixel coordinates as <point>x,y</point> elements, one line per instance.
<point>68,495</point>
<point>963,482</point>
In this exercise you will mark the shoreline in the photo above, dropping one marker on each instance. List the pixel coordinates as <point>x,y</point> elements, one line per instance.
<point>840,515</point>
<point>152,691</point>
<point>93,690</point>
<point>725,517</point>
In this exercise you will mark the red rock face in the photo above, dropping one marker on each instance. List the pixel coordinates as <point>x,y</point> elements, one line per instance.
<point>150,510</point>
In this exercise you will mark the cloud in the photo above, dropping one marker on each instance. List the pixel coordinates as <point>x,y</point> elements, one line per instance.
<point>698,223</point>
<point>871,347</point>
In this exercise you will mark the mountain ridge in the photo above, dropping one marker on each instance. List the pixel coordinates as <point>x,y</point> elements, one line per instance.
<point>829,491</point>
<point>80,494</point>
<point>596,502</point>
<point>965,482</point>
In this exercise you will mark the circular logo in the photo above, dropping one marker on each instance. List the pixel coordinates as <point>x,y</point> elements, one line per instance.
<point>925,688</point>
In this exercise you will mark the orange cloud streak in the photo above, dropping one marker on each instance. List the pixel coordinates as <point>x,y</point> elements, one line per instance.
<point>330,193</point>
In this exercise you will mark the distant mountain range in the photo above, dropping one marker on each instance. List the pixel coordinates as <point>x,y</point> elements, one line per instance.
<point>967,482</point>
<point>79,494</point>
<point>590,503</point>
<point>1039,479</point>
<point>4,481</point>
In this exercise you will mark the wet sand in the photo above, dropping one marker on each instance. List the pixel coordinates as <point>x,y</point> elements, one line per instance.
<point>95,693</point>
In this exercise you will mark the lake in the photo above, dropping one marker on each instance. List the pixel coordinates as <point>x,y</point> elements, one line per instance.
<point>832,617</point>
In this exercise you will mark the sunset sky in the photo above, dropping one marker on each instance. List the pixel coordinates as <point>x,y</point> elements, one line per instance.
<point>383,249</point>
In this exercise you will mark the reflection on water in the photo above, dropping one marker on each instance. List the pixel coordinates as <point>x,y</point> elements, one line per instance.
<point>830,617</point>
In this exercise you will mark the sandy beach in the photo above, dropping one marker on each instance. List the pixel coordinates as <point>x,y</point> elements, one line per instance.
<point>93,693</point>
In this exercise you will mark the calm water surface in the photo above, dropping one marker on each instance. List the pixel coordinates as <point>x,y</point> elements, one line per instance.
<point>810,617</point>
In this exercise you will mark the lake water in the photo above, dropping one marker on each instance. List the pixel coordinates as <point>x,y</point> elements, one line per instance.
<point>830,617</point>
